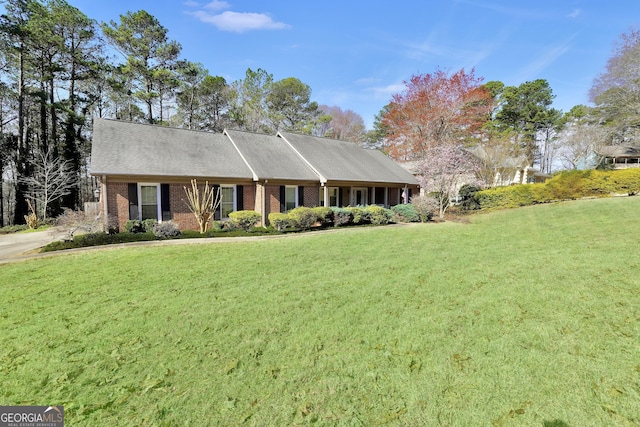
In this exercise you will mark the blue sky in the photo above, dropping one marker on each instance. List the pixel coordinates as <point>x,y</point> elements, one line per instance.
<point>357,54</point>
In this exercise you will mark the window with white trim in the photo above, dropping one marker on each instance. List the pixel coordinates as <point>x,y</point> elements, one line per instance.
<point>290,197</point>
<point>149,201</point>
<point>333,196</point>
<point>228,201</point>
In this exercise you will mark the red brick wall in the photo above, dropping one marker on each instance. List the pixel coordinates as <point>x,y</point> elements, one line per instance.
<point>249,198</point>
<point>272,199</point>
<point>118,203</point>
<point>180,213</point>
<point>311,196</point>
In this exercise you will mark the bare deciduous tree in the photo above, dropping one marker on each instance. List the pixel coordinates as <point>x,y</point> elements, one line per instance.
<point>581,142</point>
<point>52,179</point>
<point>202,205</point>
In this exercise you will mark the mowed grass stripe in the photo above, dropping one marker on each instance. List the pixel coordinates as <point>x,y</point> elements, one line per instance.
<point>521,317</point>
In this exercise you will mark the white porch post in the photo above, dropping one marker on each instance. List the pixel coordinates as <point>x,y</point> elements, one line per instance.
<point>325,190</point>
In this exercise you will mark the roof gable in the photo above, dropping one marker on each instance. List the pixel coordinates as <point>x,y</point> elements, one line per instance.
<point>125,148</point>
<point>270,157</point>
<point>338,160</point>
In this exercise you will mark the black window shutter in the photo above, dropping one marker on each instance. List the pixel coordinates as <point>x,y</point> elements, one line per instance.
<point>239,197</point>
<point>340,197</point>
<point>283,194</point>
<point>164,202</point>
<point>216,192</point>
<point>300,195</point>
<point>369,195</point>
<point>132,188</point>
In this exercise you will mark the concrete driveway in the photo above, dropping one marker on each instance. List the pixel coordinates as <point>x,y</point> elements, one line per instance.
<point>16,245</point>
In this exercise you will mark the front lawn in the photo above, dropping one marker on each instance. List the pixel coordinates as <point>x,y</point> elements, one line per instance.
<point>522,317</point>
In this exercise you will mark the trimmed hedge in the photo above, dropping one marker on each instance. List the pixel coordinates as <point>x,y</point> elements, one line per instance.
<point>379,215</point>
<point>342,217</point>
<point>244,220</point>
<point>324,215</point>
<point>281,221</point>
<point>360,215</point>
<point>569,185</point>
<point>303,217</point>
<point>405,213</point>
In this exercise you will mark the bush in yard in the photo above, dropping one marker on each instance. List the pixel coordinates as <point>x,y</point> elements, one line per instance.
<point>166,230</point>
<point>281,221</point>
<point>426,207</point>
<point>13,228</point>
<point>74,222</point>
<point>360,215</point>
<point>405,212</point>
<point>304,217</point>
<point>133,226</point>
<point>148,224</point>
<point>378,215</point>
<point>466,193</point>
<point>342,217</point>
<point>324,215</point>
<point>244,220</point>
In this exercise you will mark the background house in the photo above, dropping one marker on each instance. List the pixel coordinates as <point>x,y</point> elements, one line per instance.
<point>498,169</point>
<point>143,170</point>
<point>619,157</point>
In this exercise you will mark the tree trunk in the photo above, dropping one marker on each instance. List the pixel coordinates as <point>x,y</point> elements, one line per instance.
<point>21,208</point>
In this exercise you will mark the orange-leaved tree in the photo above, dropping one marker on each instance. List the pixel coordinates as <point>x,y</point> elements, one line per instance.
<point>435,109</point>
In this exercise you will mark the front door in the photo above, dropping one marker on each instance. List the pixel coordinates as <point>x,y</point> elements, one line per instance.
<point>360,197</point>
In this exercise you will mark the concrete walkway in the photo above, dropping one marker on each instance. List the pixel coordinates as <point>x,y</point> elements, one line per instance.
<point>14,246</point>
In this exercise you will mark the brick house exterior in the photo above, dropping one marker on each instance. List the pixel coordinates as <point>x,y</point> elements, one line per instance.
<point>143,171</point>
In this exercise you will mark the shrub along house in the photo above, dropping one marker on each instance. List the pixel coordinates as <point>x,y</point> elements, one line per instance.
<point>143,170</point>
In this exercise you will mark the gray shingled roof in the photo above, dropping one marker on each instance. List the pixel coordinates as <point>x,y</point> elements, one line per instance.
<point>124,148</point>
<point>345,161</point>
<point>270,157</point>
<point>619,151</point>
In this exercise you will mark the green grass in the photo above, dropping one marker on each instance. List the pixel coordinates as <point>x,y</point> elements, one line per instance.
<point>527,317</point>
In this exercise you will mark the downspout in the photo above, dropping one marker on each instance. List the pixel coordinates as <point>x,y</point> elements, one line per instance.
<point>264,203</point>
<point>103,200</point>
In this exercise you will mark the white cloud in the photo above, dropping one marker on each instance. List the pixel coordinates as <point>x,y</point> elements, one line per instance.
<point>217,5</point>
<point>239,22</point>
<point>575,13</point>
<point>191,3</point>
<point>387,91</point>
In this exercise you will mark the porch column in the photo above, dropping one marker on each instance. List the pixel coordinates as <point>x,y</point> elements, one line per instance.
<point>325,191</point>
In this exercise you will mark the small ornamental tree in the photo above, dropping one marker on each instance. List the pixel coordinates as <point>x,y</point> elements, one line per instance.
<point>52,179</point>
<point>202,205</point>
<point>444,170</point>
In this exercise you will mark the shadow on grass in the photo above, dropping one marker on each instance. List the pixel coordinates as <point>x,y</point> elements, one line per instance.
<point>555,423</point>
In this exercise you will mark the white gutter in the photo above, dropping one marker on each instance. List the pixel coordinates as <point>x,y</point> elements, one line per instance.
<point>255,175</point>
<point>323,180</point>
